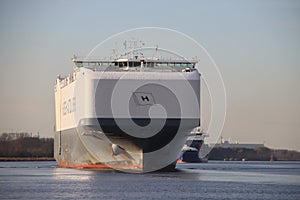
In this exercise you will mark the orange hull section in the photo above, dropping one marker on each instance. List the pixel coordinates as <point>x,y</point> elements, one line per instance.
<point>96,166</point>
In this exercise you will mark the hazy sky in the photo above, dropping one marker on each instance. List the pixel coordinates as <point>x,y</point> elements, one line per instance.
<point>255,44</point>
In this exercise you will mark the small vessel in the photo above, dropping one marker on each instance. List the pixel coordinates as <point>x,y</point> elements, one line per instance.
<point>191,149</point>
<point>131,113</point>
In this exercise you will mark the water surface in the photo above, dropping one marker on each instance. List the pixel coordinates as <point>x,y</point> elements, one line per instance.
<point>213,180</point>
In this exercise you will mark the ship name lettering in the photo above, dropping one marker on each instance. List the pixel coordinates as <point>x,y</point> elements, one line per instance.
<point>69,106</point>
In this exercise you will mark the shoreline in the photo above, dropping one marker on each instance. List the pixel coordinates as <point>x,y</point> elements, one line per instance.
<point>11,159</point>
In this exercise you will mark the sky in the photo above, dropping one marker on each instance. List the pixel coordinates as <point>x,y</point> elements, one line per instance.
<point>255,44</point>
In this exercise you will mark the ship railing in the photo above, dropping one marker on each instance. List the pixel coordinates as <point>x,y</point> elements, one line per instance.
<point>64,81</point>
<point>136,65</point>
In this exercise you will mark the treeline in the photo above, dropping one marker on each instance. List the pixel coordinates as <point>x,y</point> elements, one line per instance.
<point>256,154</point>
<point>24,145</point>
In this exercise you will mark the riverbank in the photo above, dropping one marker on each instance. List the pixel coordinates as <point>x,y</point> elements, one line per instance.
<point>24,147</point>
<point>253,154</point>
<point>12,159</point>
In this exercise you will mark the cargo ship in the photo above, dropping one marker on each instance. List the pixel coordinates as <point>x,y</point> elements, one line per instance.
<point>131,113</point>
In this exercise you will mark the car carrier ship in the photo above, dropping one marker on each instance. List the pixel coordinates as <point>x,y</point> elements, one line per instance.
<point>131,113</point>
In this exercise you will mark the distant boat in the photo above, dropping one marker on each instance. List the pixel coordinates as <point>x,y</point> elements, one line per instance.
<point>191,149</point>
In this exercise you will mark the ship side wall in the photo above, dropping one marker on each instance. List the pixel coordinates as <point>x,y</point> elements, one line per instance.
<point>114,102</point>
<point>72,102</point>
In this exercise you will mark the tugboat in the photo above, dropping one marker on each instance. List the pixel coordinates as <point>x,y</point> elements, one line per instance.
<point>191,149</point>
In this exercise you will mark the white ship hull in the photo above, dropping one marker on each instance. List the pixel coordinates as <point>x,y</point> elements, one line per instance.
<point>129,121</point>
